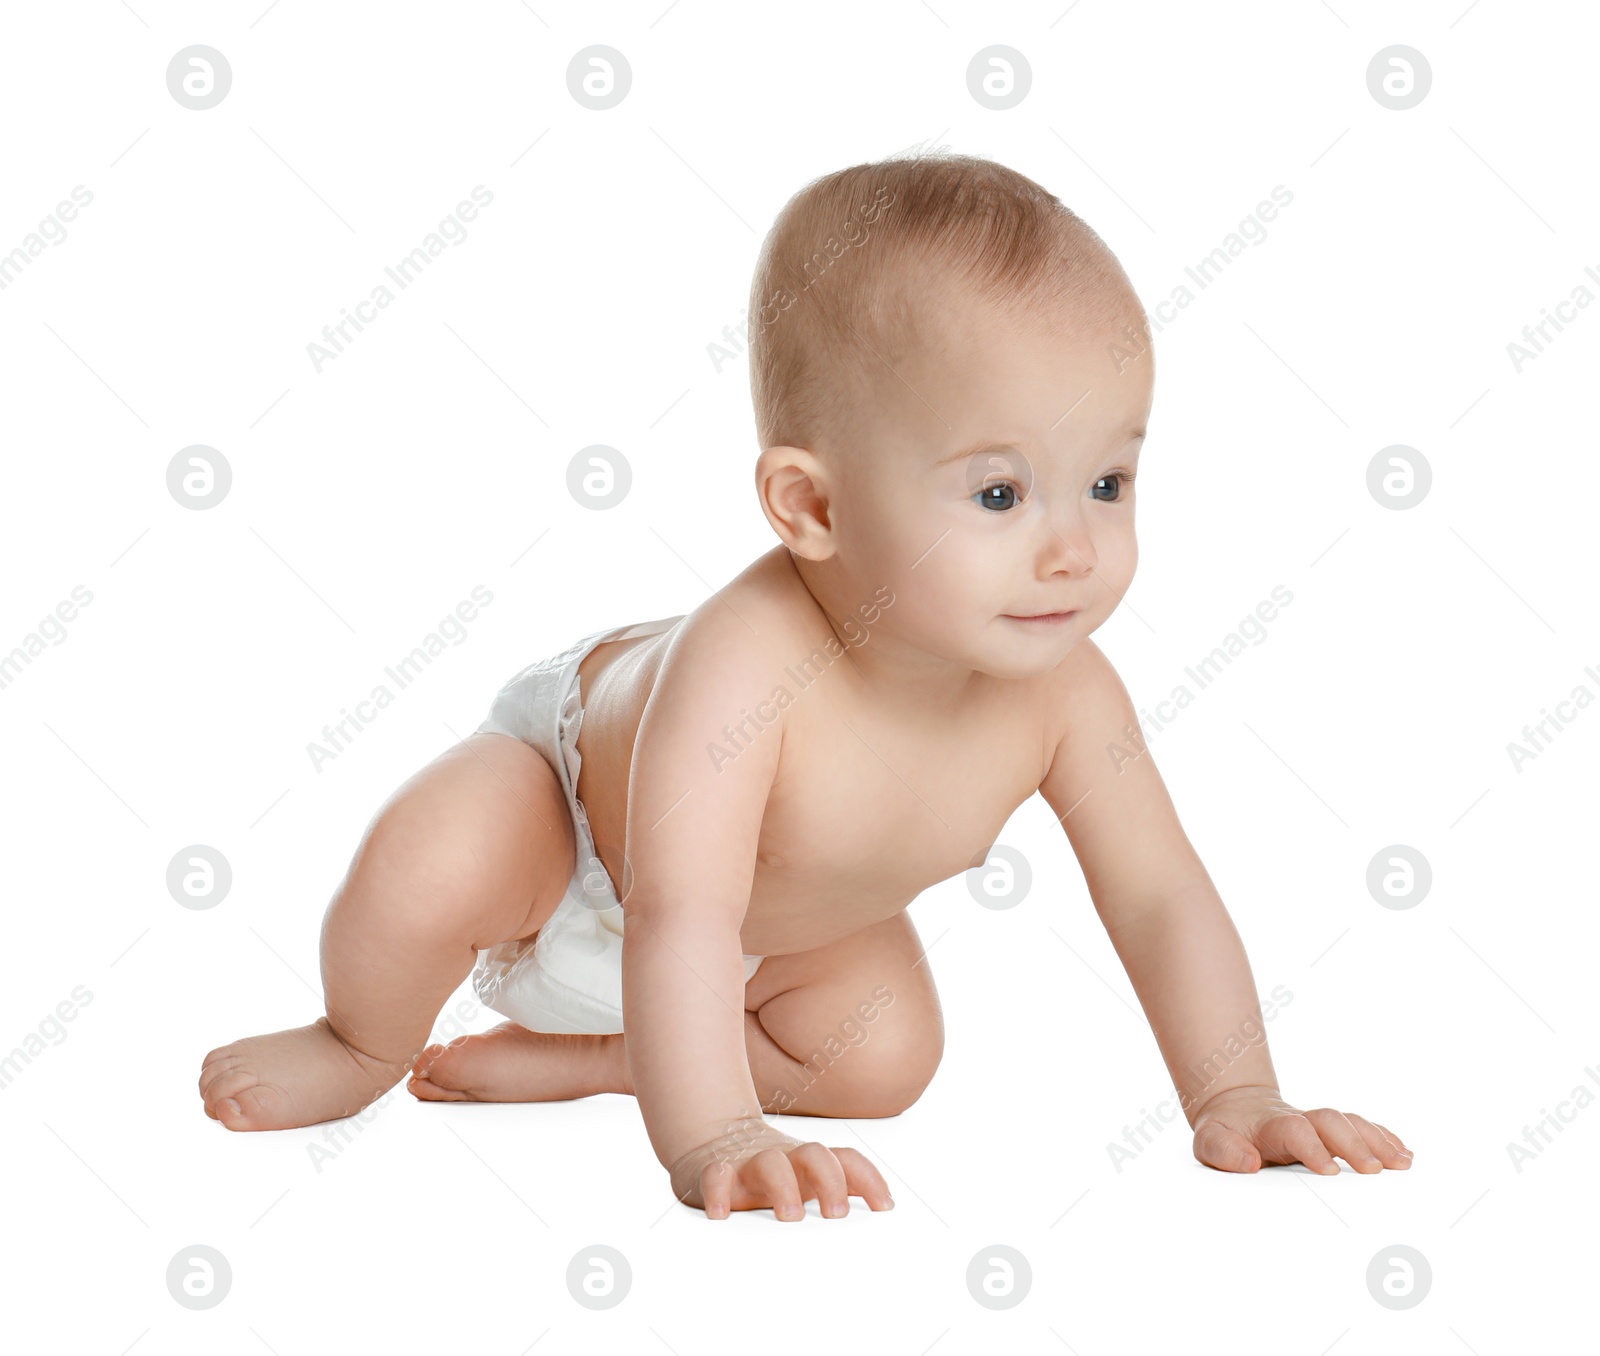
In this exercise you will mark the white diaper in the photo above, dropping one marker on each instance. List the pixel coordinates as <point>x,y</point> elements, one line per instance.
<point>568,978</point>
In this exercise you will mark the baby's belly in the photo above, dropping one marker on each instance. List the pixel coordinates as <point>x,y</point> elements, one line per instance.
<point>793,911</point>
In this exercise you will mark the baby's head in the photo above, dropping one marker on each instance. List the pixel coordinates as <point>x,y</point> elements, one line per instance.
<point>951,375</point>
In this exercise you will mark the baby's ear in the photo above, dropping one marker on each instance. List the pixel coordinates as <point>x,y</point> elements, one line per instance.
<point>794,490</point>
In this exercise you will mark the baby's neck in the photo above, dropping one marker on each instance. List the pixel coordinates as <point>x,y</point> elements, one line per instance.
<point>887,667</point>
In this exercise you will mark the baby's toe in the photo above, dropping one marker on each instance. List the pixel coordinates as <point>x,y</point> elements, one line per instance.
<point>229,1082</point>
<point>222,1080</point>
<point>215,1063</point>
<point>423,1068</point>
<point>427,1090</point>
<point>440,1075</point>
<point>241,1101</point>
<point>251,1107</point>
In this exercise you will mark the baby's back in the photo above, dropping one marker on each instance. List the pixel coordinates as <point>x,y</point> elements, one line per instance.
<point>748,721</point>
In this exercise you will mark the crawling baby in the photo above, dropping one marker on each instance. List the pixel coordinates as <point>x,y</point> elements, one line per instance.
<point>952,378</point>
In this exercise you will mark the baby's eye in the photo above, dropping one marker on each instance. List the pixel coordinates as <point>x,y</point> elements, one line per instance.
<point>1113,483</point>
<point>1000,496</point>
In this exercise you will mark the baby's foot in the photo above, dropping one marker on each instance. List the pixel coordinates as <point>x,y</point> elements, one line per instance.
<point>512,1064</point>
<point>296,1077</point>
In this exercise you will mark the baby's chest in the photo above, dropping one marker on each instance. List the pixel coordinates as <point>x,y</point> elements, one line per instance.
<point>890,811</point>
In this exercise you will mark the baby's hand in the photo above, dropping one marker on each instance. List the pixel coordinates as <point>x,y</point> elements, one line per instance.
<point>754,1166</point>
<point>1243,1128</point>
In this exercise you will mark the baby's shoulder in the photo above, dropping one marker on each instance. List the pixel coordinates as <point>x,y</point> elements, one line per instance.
<point>1090,711</point>
<point>1085,689</point>
<point>738,641</point>
<point>712,691</point>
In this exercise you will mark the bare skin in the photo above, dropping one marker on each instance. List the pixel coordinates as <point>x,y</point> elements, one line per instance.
<point>801,829</point>
<point>454,857</point>
<point>339,1064</point>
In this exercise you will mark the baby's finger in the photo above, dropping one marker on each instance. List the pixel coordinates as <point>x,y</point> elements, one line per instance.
<point>716,1188</point>
<point>862,1178</point>
<point>820,1175</point>
<point>1398,1142</point>
<point>769,1177</point>
<point>1217,1146</point>
<point>1344,1139</point>
<point>1291,1138</point>
<point>1390,1154</point>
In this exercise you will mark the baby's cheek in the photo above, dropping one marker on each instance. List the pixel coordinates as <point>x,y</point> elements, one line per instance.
<point>1121,557</point>
<point>906,564</point>
<point>949,578</point>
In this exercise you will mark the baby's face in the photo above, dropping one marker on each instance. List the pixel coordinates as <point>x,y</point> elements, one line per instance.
<point>991,485</point>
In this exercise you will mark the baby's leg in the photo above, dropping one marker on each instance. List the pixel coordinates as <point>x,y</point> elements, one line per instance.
<point>475,849</point>
<point>853,1028</point>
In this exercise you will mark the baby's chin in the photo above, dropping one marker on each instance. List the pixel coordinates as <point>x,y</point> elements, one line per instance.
<point>1014,672</point>
<point>1026,656</point>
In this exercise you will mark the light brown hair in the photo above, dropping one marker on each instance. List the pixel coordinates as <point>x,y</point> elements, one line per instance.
<point>847,272</point>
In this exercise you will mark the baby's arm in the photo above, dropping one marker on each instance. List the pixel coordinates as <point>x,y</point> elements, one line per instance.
<point>693,828</point>
<point>1179,946</point>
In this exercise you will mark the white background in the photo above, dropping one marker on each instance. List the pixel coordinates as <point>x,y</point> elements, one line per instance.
<point>368,500</point>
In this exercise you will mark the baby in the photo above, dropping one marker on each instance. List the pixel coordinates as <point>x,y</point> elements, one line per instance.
<point>952,379</point>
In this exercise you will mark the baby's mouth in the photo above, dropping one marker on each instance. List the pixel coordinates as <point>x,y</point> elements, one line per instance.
<point>1043,618</point>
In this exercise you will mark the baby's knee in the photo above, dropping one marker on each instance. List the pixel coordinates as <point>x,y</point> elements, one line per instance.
<point>886,1072</point>
<point>420,880</point>
<point>902,1074</point>
<point>459,855</point>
